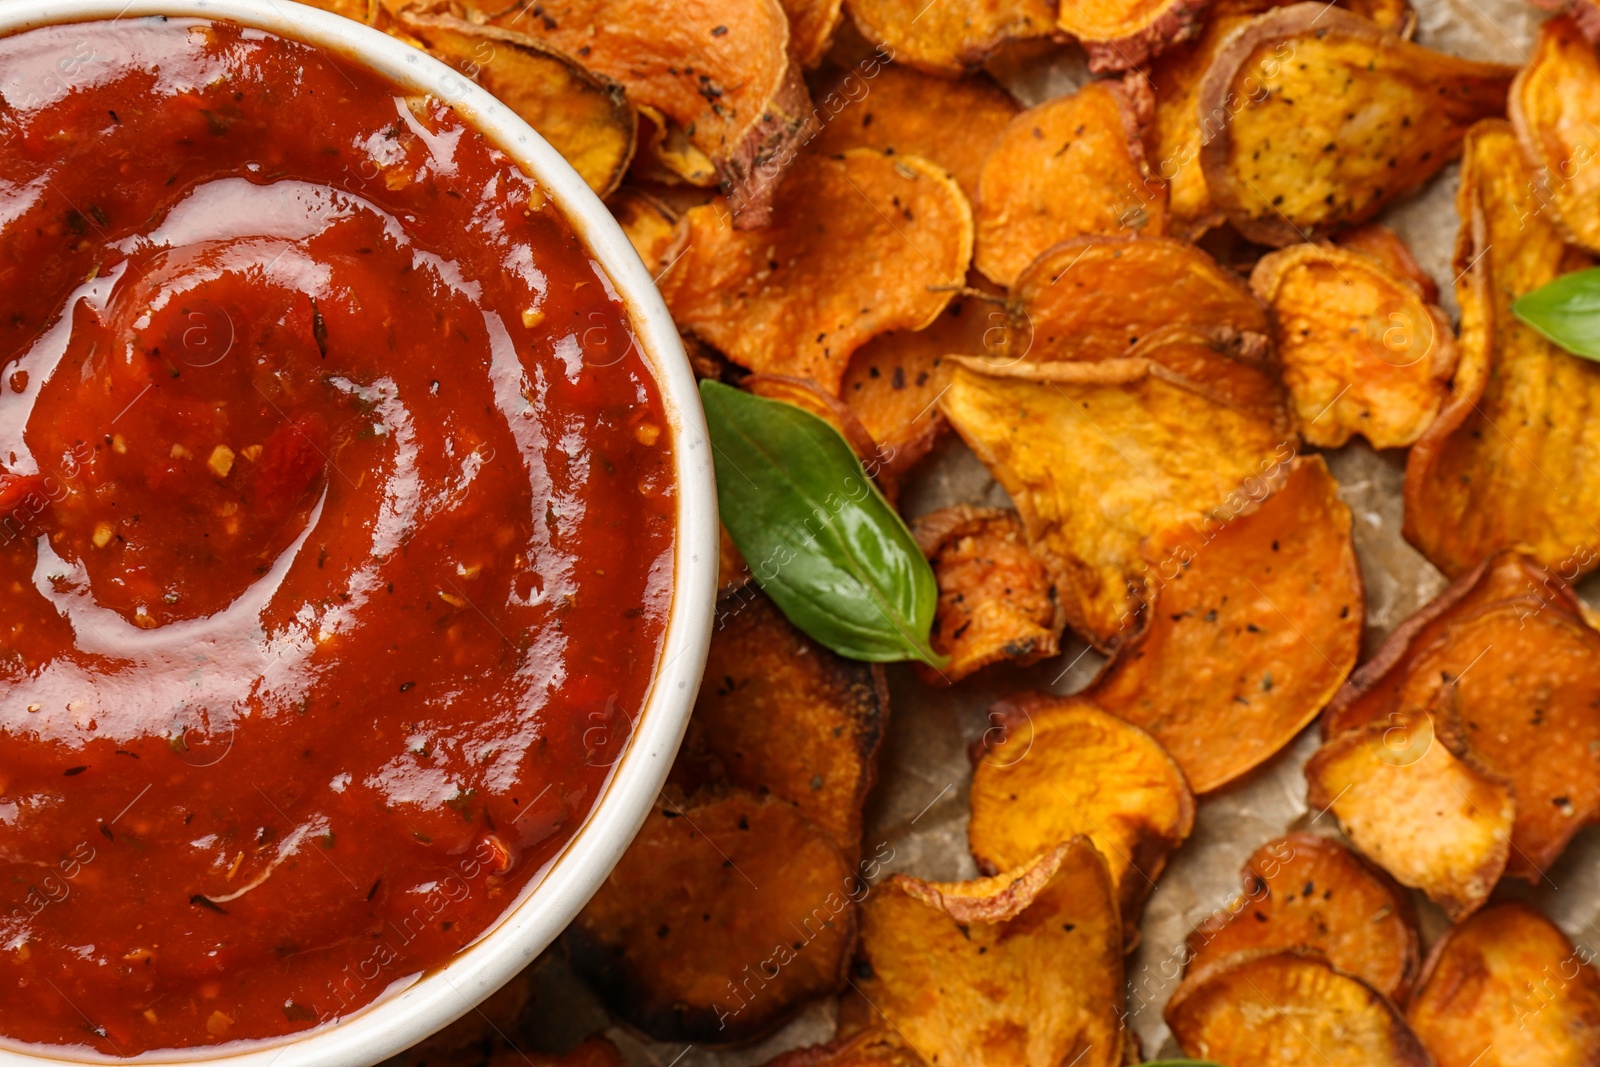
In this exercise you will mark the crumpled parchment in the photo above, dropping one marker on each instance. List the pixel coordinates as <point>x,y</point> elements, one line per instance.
<point>920,805</point>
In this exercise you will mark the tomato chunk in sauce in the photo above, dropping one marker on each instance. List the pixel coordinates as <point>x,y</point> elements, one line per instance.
<point>336,527</point>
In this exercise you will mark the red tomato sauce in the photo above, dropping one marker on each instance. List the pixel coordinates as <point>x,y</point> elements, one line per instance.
<point>336,517</point>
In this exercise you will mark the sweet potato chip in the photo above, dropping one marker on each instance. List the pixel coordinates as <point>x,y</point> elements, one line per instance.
<point>1377,242</point>
<point>996,601</point>
<point>1307,891</point>
<point>1095,297</point>
<point>894,381</point>
<point>666,156</point>
<point>1417,810</point>
<point>651,226</point>
<point>1507,988</point>
<point>869,1048</point>
<point>1070,166</point>
<point>952,36</point>
<point>1227,369</point>
<point>780,714</point>
<point>811,26</point>
<point>1121,34</point>
<point>1289,160</point>
<point>805,393</point>
<point>720,919</point>
<point>1252,619</point>
<point>1021,968</point>
<point>1179,129</point>
<point>891,111</point>
<point>1056,767</point>
<point>585,116</point>
<point>1361,352</point>
<point>359,10</point>
<point>1510,460</point>
<point>1286,1008</point>
<point>1555,108</point>
<point>1099,456</point>
<point>1518,686</point>
<point>721,73</point>
<point>860,245</point>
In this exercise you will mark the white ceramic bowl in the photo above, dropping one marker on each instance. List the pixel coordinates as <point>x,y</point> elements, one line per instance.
<point>406,1014</point>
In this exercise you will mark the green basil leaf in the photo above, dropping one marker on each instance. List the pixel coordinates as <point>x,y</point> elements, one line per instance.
<point>820,539</point>
<point>1566,311</point>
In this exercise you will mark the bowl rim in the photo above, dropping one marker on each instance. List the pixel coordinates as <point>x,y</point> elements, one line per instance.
<point>413,1007</point>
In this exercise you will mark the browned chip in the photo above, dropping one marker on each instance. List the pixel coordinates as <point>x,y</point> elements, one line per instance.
<point>1304,890</point>
<point>721,73</point>
<point>1361,352</point>
<point>1376,241</point>
<point>1555,107</point>
<point>951,36</point>
<point>780,714</point>
<point>996,601</point>
<point>1252,617</point>
<point>1119,34</point>
<point>1290,160</point>
<point>720,919</point>
<point>1055,767</point>
<point>585,116</point>
<point>1517,687</point>
<point>1417,810</point>
<point>1512,458</point>
<point>860,245</point>
<point>1286,1008</point>
<point>1180,129</point>
<point>651,226</point>
<point>1099,456</point>
<point>360,10</point>
<point>894,381</point>
<point>1021,968</point>
<point>1095,297</point>
<point>1507,988</point>
<point>1070,166</point>
<point>872,1047</point>
<point>893,110</point>
<point>1229,369</point>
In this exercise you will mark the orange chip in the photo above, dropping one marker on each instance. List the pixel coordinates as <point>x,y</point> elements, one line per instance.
<point>1099,456</point>
<point>811,26</point>
<point>1507,988</point>
<point>721,73</point>
<point>895,380</point>
<point>860,245</point>
<point>1555,106</point>
<point>651,226</point>
<point>1416,809</point>
<point>1285,1008</point>
<point>1307,891</point>
<point>1230,370</point>
<point>1024,967</point>
<point>996,601</point>
<point>1252,619</point>
<point>1070,166</point>
<point>1051,768</point>
<point>1095,297</point>
<point>1376,241</point>
<point>779,714</point>
<point>1179,129</point>
<point>1520,682</point>
<point>1120,34</point>
<point>1361,352</point>
<point>952,36</point>
<point>720,919</point>
<point>886,106</point>
<point>1508,462</point>
<point>1289,160</point>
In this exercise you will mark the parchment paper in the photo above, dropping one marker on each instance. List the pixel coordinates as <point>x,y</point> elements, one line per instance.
<point>920,805</point>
